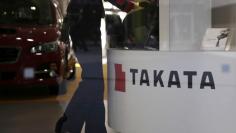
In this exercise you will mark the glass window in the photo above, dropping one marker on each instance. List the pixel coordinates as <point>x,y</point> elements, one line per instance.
<point>136,30</point>
<point>175,25</point>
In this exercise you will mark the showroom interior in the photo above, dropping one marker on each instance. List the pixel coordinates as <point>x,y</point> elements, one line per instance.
<point>167,69</point>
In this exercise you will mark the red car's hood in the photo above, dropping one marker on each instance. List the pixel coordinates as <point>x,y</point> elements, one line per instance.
<point>12,35</point>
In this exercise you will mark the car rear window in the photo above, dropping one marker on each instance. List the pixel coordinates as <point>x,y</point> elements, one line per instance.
<point>26,12</point>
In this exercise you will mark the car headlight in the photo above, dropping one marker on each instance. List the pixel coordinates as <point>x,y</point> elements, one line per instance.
<point>45,48</point>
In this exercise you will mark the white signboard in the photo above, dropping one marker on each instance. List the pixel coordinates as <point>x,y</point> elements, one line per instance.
<point>172,92</point>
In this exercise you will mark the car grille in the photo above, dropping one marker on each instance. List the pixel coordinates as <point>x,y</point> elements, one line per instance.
<point>8,55</point>
<point>7,75</point>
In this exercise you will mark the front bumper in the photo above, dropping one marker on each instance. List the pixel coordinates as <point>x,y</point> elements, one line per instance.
<point>34,70</point>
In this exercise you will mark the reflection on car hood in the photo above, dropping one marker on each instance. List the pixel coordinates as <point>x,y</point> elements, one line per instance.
<point>42,34</point>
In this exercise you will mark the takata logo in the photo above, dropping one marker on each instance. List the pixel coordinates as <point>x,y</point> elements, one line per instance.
<point>163,78</point>
<point>120,78</point>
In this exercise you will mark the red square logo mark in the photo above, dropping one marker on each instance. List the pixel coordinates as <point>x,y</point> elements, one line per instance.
<point>120,78</point>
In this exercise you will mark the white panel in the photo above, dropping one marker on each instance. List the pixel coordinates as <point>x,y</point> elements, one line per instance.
<point>189,20</point>
<point>164,25</point>
<point>146,108</point>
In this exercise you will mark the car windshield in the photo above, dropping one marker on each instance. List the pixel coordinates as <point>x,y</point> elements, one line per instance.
<point>25,12</point>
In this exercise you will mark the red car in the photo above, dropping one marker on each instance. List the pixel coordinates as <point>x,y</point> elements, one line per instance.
<point>30,51</point>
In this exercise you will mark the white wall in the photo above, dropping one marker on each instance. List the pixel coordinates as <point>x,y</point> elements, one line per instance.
<point>183,24</point>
